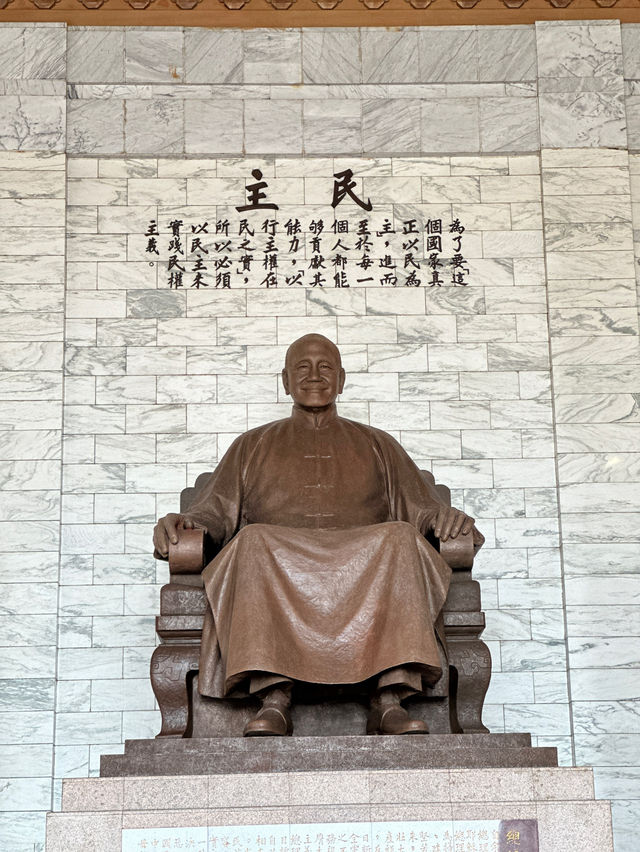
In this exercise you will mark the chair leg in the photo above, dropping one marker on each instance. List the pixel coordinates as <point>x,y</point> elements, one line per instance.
<point>472,661</point>
<point>170,665</point>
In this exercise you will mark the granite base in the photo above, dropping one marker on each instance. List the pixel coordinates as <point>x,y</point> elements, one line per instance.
<point>178,756</point>
<point>96,811</point>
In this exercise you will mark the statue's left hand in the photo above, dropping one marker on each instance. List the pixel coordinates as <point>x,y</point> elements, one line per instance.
<point>450,522</point>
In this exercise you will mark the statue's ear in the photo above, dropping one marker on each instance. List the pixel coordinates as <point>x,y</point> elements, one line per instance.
<point>343,376</point>
<point>285,381</point>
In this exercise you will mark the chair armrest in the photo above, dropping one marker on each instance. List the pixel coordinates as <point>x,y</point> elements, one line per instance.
<point>459,552</point>
<point>187,556</point>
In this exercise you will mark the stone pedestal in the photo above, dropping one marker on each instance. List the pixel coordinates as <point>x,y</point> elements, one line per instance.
<point>199,756</point>
<point>97,810</point>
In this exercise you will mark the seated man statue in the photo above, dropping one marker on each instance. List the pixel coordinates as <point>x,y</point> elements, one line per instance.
<point>324,576</point>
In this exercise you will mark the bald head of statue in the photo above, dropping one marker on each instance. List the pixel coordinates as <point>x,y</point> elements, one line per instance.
<point>313,374</point>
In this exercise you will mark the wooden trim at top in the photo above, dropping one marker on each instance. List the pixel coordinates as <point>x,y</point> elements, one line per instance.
<point>249,14</point>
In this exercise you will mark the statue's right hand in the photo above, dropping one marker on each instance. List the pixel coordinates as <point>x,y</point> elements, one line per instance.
<point>167,530</point>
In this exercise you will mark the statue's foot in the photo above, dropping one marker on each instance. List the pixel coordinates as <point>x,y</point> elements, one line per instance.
<point>394,719</point>
<point>270,722</point>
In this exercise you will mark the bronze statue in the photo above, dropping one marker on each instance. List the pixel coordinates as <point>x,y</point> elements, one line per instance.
<point>324,576</point>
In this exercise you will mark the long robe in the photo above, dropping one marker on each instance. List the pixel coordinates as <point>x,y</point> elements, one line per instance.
<point>324,575</point>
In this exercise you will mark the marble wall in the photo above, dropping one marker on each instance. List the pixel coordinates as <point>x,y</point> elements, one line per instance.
<point>519,390</point>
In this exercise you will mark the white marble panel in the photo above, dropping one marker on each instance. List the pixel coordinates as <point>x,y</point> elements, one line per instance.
<point>89,538</point>
<point>524,473</point>
<point>428,386</point>
<point>130,389</point>
<point>550,687</point>
<point>507,623</point>
<point>535,384</point>
<point>272,127</point>
<point>331,56</point>
<point>426,329</point>
<point>87,728</point>
<point>32,122</point>
<point>463,356</point>
<point>87,478</point>
<point>491,443</point>
<point>106,419</point>
<point>489,385</point>
<point>244,389</point>
<point>213,56</point>
<point>532,327</point>
<point>239,331</point>
<point>581,209</point>
<point>476,473</point>
<point>127,630</point>
<point>167,361</point>
<point>605,684</point>
<point>580,49</point>
<point>30,475</point>
<point>120,448</point>
<point>31,327</point>
<point>577,179</point>
<point>95,126</point>
<point>41,184</point>
<point>26,794</point>
<point>586,652</point>
<point>598,408</point>
<point>211,360</point>
<point>507,188</point>
<point>204,303</point>
<point>486,328</point>
<point>390,125</point>
<point>30,444</point>
<point>593,321</point>
<point>580,559</point>
<point>579,351</point>
<point>450,125</point>
<point>29,506</point>
<point>159,477</point>
<point>576,439</point>
<point>600,379</point>
<point>375,387</point>
<point>523,655</point>
<point>216,418</point>
<point>548,624</point>
<point>459,415</point>
<point>509,124</point>
<point>523,532</point>
<point>290,328</point>
<point>597,526</point>
<point>390,357</point>
<point>504,502</point>
<point>448,54</point>
<point>599,590</point>
<point>154,55</point>
<point>213,127</point>
<point>543,719</point>
<point>517,414</point>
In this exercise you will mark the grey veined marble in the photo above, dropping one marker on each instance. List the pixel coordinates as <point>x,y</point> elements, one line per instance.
<point>580,50</point>
<point>583,120</point>
<point>32,123</point>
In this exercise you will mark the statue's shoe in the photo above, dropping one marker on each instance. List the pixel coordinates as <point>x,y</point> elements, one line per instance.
<point>394,720</point>
<point>270,722</point>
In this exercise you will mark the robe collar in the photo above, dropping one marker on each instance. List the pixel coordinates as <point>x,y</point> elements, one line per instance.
<point>314,419</point>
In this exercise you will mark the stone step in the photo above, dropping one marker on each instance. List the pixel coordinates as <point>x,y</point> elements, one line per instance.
<point>179,756</point>
<point>306,788</point>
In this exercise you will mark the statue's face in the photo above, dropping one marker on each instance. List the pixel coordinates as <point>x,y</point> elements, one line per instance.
<point>313,373</point>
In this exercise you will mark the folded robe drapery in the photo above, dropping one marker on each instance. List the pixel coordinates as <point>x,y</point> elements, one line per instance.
<point>325,576</point>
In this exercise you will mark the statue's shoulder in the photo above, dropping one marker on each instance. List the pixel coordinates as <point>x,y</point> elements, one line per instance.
<point>372,432</point>
<point>255,435</point>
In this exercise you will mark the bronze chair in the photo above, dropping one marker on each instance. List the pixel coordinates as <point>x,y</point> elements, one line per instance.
<point>453,705</point>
